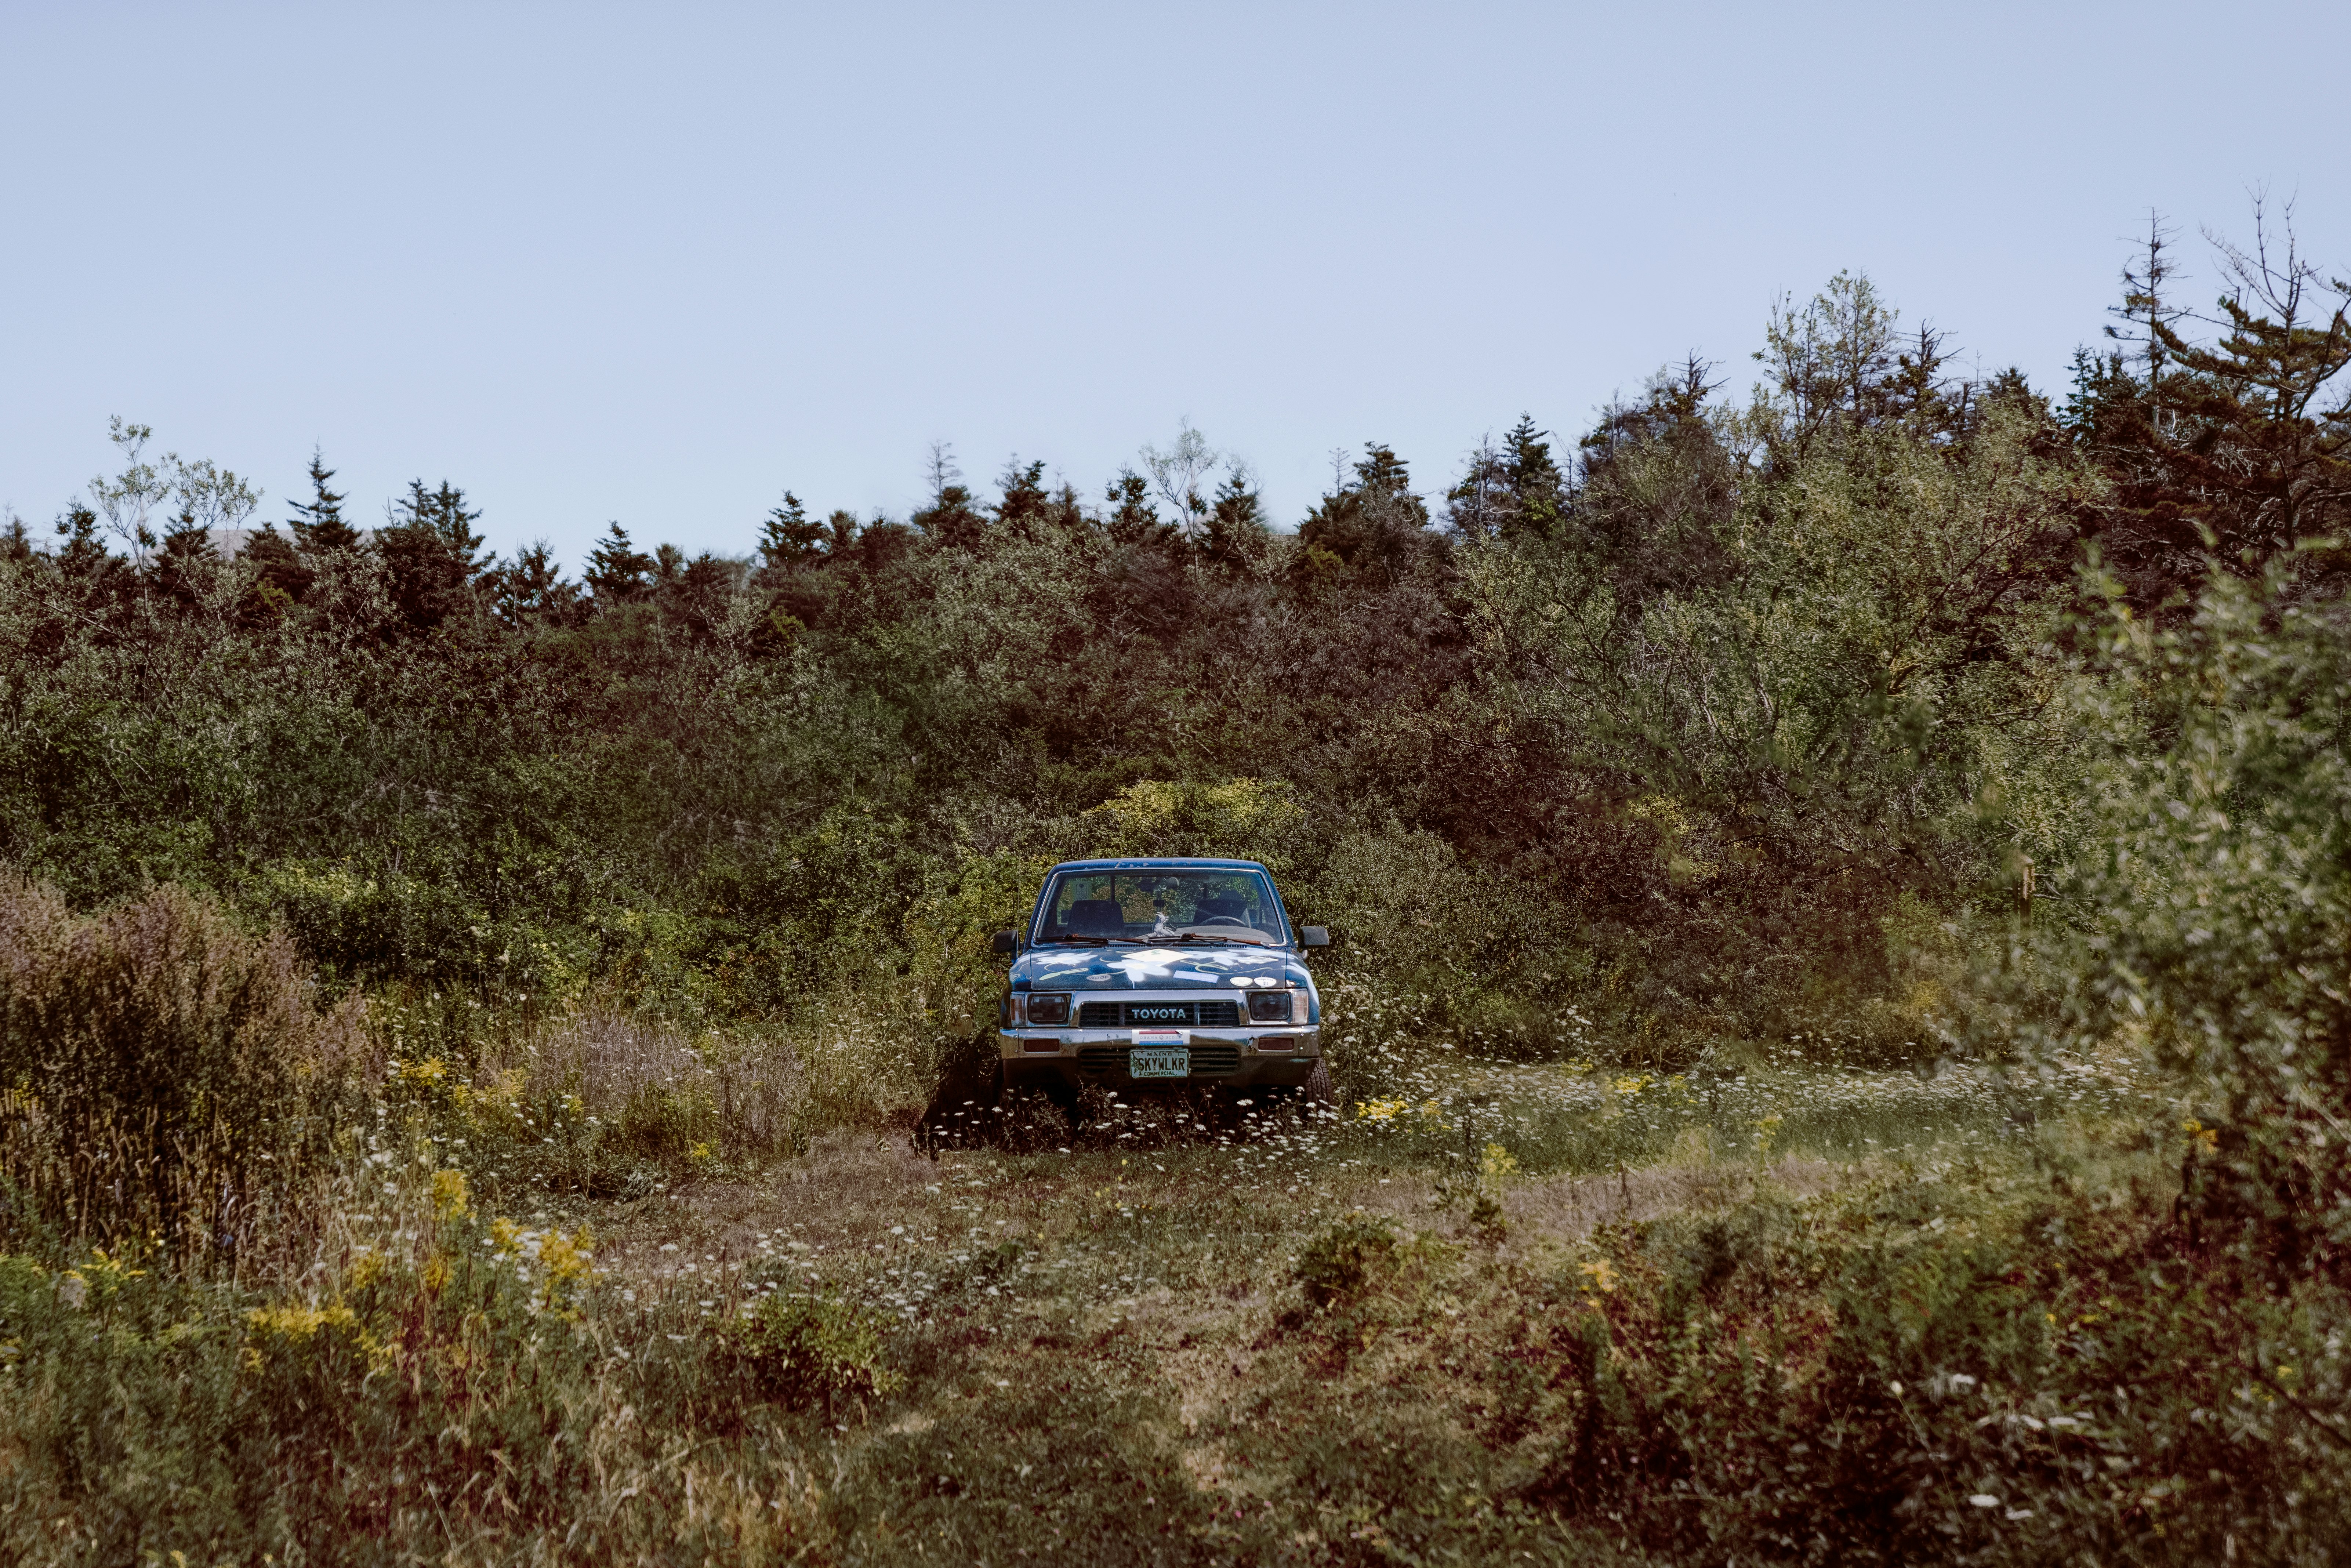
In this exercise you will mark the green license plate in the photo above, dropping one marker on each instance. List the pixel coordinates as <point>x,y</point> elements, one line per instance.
<point>1159,1061</point>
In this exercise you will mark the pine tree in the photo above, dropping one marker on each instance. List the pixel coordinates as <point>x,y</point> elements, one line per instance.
<point>442,515</point>
<point>1374,525</point>
<point>430,552</point>
<point>2268,456</point>
<point>1236,533</point>
<point>320,524</point>
<point>952,519</point>
<point>280,579</point>
<point>1133,518</point>
<point>616,570</point>
<point>1025,501</point>
<point>531,588</point>
<point>448,517</point>
<point>2237,449</point>
<point>1511,492</point>
<point>790,537</point>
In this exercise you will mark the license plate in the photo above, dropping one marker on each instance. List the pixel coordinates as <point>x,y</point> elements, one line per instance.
<point>1159,1061</point>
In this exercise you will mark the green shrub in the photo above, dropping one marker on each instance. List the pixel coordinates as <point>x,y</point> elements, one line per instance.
<point>801,1349</point>
<point>2208,922</point>
<point>162,1073</point>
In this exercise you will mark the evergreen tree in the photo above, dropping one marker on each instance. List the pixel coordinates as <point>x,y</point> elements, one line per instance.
<point>320,524</point>
<point>531,588</point>
<point>430,552</point>
<point>1132,519</point>
<point>1376,525</point>
<point>2237,449</point>
<point>2266,453</point>
<point>1657,489</point>
<point>1236,533</point>
<point>952,520</point>
<point>616,570</point>
<point>280,579</point>
<point>187,538</point>
<point>1511,492</point>
<point>443,514</point>
<point>1025,502</point>
<point>790,537</point>
<point>83,554</point>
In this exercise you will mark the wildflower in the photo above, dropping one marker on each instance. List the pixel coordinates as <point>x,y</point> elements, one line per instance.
<point>449,1194</point>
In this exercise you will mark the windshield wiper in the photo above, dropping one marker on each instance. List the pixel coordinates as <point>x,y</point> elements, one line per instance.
<point>1101,941</point>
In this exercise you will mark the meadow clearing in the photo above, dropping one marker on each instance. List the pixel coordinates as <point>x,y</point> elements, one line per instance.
<point>1192,1332</point>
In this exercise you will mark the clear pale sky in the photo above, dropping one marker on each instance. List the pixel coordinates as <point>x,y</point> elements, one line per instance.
<point>659,262</point>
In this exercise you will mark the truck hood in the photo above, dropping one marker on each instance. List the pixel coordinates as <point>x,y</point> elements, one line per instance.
<point>1128,968</point>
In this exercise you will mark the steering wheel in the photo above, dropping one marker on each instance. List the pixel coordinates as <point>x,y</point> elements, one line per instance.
<point>1221,920</point>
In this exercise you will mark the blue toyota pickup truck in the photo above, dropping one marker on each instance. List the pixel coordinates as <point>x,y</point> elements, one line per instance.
<point>1140,973</point>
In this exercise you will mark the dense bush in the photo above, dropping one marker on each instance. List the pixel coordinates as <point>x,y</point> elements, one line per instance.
<point>162,1073</point>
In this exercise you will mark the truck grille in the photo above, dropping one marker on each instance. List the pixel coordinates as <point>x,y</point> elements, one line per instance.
<point>1208,1061</point>
<point>1171,1014</point>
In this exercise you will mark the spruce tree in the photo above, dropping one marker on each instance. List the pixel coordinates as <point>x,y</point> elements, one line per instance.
<point>430,552</point>
<point>280,579</point>
<point>1133,518</point>
<point>1025,501</point>
<point>616,570</point>
<point>448,517</point>
<point>1375,525</point>
<point>790,537</point>
<point>320,524</point>
<point>1236,533</point>
<point>531,588</point>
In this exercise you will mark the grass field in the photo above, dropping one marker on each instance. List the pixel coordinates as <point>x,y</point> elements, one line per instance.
<point>1194,1333</point>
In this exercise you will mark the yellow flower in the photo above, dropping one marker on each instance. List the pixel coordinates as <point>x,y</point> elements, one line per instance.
<point>365,1269</point>
<point>268,1329</point>
<point>449,1195</point>
<point>566,1259</point>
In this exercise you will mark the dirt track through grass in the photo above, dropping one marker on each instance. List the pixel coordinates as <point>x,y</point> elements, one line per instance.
<point>1107,1354</point>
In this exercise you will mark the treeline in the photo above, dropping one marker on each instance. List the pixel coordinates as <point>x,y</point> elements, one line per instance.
<point>1712,718</point>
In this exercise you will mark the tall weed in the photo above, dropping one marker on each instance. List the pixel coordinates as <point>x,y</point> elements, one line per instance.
<point>162,1073</point>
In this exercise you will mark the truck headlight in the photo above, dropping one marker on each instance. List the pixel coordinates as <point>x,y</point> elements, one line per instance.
<point>1270,1007</point>
<point>1049,1007</point>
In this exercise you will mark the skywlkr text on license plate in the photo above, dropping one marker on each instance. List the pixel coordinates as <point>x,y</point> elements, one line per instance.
<point>1158,1054</point>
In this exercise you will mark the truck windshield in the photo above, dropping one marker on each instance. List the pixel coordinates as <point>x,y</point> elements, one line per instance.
<point>1092,906</point>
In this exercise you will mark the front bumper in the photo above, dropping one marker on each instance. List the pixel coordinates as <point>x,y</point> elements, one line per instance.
<point>1077,1057</point>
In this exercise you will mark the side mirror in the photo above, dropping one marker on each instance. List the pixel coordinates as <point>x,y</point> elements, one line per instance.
<point>1313,937</point>
<point>1005,942</point>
